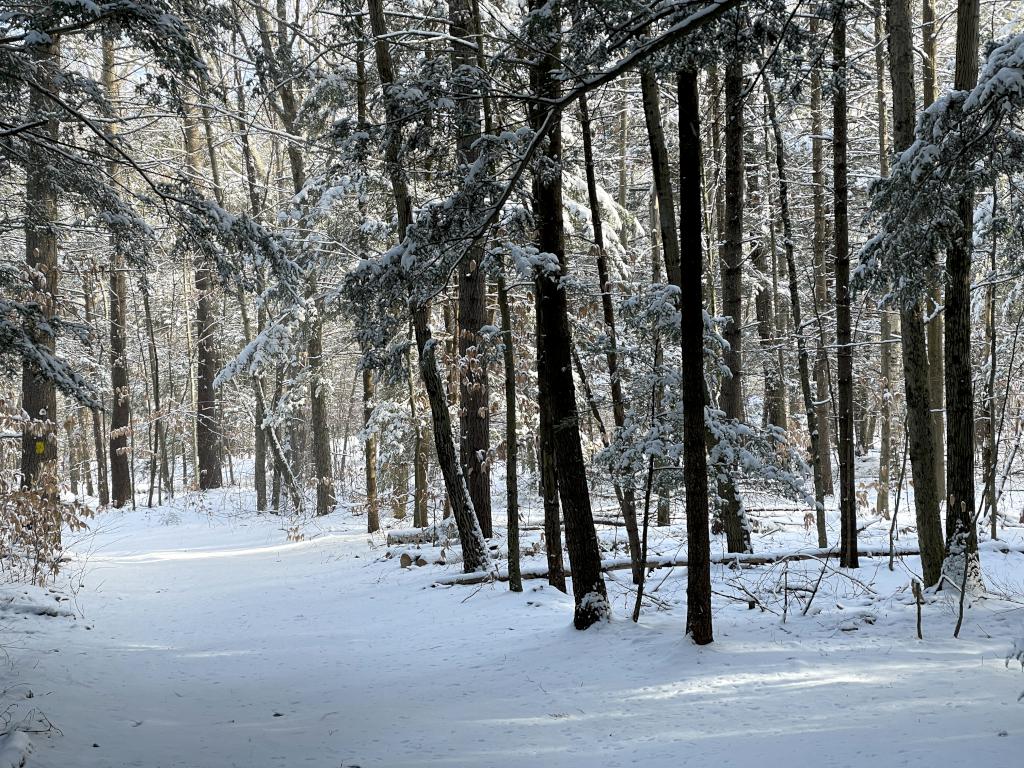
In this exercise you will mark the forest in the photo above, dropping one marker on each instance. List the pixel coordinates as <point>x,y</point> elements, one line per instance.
<point>355,354</point>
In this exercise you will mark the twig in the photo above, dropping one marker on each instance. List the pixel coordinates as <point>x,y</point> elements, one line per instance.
<point>814,591</point>
<point>915,587</point>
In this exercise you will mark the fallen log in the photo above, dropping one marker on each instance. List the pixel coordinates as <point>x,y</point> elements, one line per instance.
<point>429,535</point>
<point>737,558</point>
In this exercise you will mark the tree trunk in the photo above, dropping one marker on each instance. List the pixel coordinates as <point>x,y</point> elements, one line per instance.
<point>120,411</point>
<point>419,458</point>
<point>207,429</point>
<point>885,329</point>
<point>730,397</point>
<point>936,365</point>
<point>715,93</point>
<point>38,394</point>
<point>279,468</point>
<point>474,391</point>
<point>886,340</point>
<point>840,209</point>
<point>90,488</point>
<point>803,356</point>
<point>515,580</point>
<point>102,487</point>
<point>554,347</point>
<point>549,488</point>
<point>628,499</point>
<point>774,410</point>
<point>208,440</point>
<point>734,521</point>
<point>370,455</point>
<point>990,454</point>
<point>821,373</point>
<point>286,102</point>
<point>323,463</point>
<point>660,463</point>
<point>961,529</point>
<point>474,548</point>
<point>370,441</point>
<point>915,359</point>
<point>698,574</point>
<point>160,429</point>
<point>261,437</point>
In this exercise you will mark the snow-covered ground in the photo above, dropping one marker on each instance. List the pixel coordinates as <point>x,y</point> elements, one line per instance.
<point>200,635</point>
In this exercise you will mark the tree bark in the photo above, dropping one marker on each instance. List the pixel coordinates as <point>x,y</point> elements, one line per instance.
<point>370,455</point>
<point>286,102</point>
<point>261,436</point>
<point>774,411</point>
<point>207,428</point>
<point>160,428</point>
<point>474,390</point>
<point>915,361</point>
<point>554,343</point>
<point>936,364</point>
<point>840,208</point>
<point>120,411</point>
<point>39,394</point>
<point>323,463</point>
<point>475,555</point>
<point>715,93</point>
<point>803,355</point>
<point>961,529</point>
<point>208,439</point>
<point>515,581</point>
<point>730,397</point>
<point>823,397</point>
<point>660,463</point>
<point>733,519</point>
<point>990,454</point>
<point>419,458</point>
<point>698,584</point>
<point>549,487</point>
<point>627,493</point>
<point>102,487</point>
<point>885,324</point>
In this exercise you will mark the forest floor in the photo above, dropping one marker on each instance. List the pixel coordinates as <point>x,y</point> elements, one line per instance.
<point>198,635</point>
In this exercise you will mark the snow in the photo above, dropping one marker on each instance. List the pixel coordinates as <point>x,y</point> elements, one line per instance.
<point>203,635</point>
<point>14,749</point>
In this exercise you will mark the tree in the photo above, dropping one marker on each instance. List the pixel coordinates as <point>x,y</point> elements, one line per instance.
<point>961,527</point>
<point>698,585</point>
<point>474,549</point>
<point>840,208</point>
<point>803,354</point>
<point>120,422</point>
<point>885,322</point>
<point>38,392</point>
<point>936,365</point>
<point>822,375</point>
<point>207,429</point>
<point>626,495</point>
<point>554,343</point>
<point>915,362</point>
<point>731,396</point>
<point>474,390</point>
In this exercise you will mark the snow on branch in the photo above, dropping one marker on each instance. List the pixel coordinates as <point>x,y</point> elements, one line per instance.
<point>965,140</point>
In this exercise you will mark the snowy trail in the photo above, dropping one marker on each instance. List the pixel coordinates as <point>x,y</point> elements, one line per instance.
<point>215,644</point>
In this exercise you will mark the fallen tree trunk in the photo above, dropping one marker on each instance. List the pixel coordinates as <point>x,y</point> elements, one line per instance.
<point>739,558</point>
<point>443,531</point>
